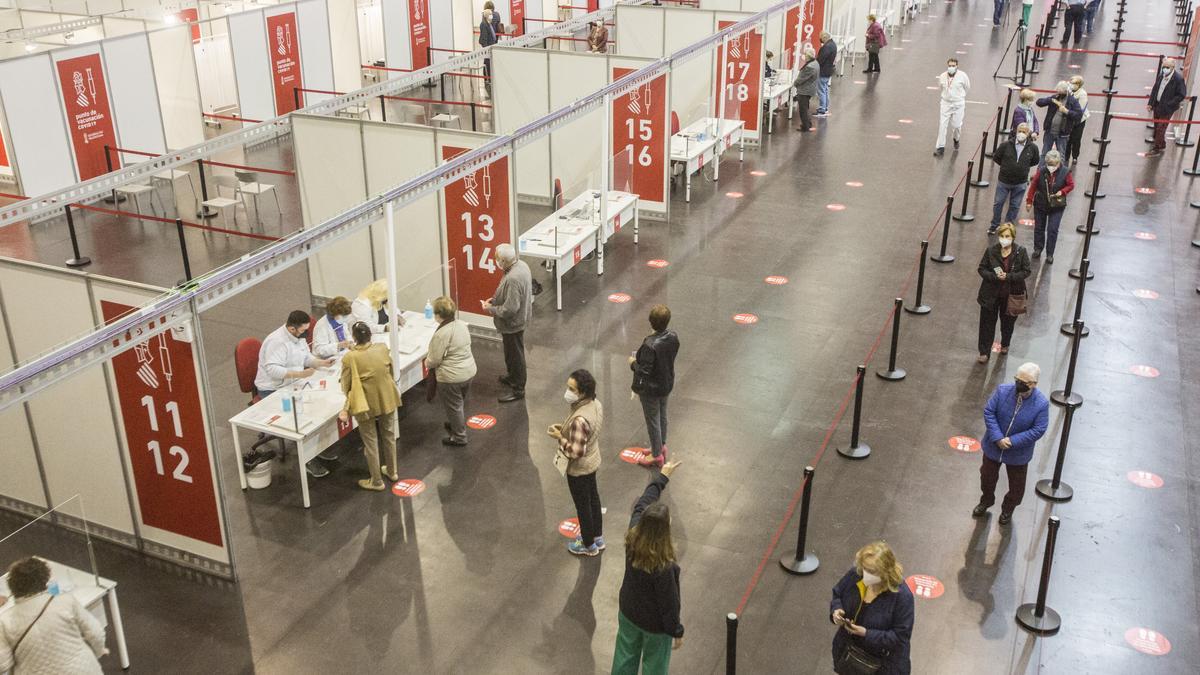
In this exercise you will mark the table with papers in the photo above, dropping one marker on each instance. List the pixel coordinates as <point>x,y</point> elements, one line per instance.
<point>703,142</point>
<point>777,91</point>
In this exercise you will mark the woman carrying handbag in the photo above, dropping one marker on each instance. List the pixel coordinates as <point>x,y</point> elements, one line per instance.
<point>1002,270</point>
<point>1047,198</point>
<point>873,610</point>
<point>372,398</point>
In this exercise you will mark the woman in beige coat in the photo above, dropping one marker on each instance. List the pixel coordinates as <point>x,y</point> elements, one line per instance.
<point>373,364</point>
<point>579,441</point>
<point>450,357</point>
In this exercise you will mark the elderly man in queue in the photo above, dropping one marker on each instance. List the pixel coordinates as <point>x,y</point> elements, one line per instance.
<point>1166,96</point>
<point>510,307</point>
<point>1016,416</point>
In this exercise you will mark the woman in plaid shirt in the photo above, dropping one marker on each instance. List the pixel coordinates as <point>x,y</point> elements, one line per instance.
<point>579,439</point>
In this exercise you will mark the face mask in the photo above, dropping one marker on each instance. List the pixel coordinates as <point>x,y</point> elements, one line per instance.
<point>871,579</point>
<point>1166,71</point>
<point>1023,387</point>
<point>1051,168</point>
<point>1006,242</point>
<point>951,69</point>
<point>302,336</point>
<point>570,396</point>
<point>1021,137</point>
<point>1075,87</point>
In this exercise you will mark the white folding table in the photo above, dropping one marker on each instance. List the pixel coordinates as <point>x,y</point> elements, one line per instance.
<point>569,234</point>
<point>92,591</point>
<point>778,90</point>
<point>314,427</point>
<point>703,142</point>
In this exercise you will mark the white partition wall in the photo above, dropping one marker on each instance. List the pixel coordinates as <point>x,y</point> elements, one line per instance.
<point>522,94</point>
<point>214,66</point>
<point>21,479</point>
<point>37,129</point>
<point>640,29</point>
<point>178,86</point>
<point>344,44</point>
<point>132,83</point>
<point>575,152</point>
<point>316,49</point>
<point>692,81</point>
<point>248,43</point>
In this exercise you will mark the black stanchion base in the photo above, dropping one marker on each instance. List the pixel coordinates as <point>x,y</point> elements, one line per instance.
<point>79,262</point>
<point>206,212</point>
<point>1194,205</point>
<point>1068,329</point>
<point>925,309</point>
<point>1189,172</point>
<point>1046,624</point>
<point>1185,145</point>
<point>1060,398</point>
<point>1101,141</point>
<point>891,375</point>
<point>1099,195</point>
<point>795,565</point>
<point>980,183</point>
<point>1045,489</point>
<point>861,452</point>
<point>1196,242</point>
<point>949,258</point>
<point>1074,274</point>
<point>1083,230</point>
<point>1098,165</point>
<point>964,218</point>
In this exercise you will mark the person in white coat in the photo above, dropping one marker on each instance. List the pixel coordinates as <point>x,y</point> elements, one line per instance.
<point>331,333</point>
<point>43,633</point>
<point>954,85</point>
<point>370,307</point>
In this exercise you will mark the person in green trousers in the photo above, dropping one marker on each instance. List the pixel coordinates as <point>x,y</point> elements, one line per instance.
<point>648,626</point>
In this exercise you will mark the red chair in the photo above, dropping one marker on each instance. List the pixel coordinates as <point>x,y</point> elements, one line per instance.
<point>557,198</point>
<point>245,362</point>
<point>674,122</point>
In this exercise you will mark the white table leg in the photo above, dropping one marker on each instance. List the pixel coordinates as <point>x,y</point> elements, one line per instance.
<point>791,104</point>
<point>636,222</point>
<point>742,147</point>
<point>687,193</point>
<point>237,454</point>
<point>301,464</point>
<point>558,284</point>
<point>600,252</point>
<point>716,159</point>
<point>114,614</point>
<point>770,118</point>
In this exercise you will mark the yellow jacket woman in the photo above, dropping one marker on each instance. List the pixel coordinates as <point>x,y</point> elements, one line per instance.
<point>369,384</point>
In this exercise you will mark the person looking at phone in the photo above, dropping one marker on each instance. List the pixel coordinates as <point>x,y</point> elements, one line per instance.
<point>873,610</point>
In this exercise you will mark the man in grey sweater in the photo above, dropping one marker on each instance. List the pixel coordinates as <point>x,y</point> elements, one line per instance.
<point>511,306</point>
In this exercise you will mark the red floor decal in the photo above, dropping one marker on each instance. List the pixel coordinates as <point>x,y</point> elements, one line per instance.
<point>1148,641</point>
<point>735,195</point>
<point>836,207</point>
<point>758,173</point>
<point>854,183</point>
<point>925,586</point>
<point>1145,294</point>
<point>965,444</point>
<point>634,455</point>
<point>905,121</point>
<point>569,528</point>
<point>1144,371</point>
<point>1145,191</point>
<point>409,487</point>
<point>1145,479</point>
<point>1145,236</point>
<point>619,298</point>
<point>776,280</point>
<point>996,347</point>
<point>657,263</point>
<point>1027,222</point>
<point>745,319</point>
<point>860,82</point>
<point>481,421</point>
<point>893,137</point>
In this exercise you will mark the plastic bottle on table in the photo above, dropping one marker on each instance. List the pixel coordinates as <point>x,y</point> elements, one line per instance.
<point>428,310</point>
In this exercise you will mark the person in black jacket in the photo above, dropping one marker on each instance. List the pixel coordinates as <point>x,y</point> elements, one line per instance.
<point>827,60</point>
<point>1015,157</point>
<point>873,609</point>
<point>649,599</point>
<point>653,366</point>
<point>1062,113</point>
<point>487,38</point>
<point>1003,269</point>
<point>1168,93</point>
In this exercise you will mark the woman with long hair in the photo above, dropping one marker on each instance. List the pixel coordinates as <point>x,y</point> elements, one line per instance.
<point>873,610</point>
<point>648,626</point>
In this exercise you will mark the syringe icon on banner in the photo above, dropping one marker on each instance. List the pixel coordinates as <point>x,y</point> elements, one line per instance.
<point>487,185</point>
<point>145,372</point>
<point>646,98</point>
<point>469,184</point>
<point>91,84</point>
<point>164,359</point>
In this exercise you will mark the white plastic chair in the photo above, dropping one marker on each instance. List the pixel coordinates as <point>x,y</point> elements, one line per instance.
<point>247,184</point>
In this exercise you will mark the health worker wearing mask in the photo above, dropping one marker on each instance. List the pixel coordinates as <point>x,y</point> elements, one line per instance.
<point>331,334</point>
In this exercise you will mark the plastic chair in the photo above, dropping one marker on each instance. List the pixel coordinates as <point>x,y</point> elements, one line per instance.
<point>557,198</point>
<point>245,362</point>
<point>674,122</point>
<point>247,184</point>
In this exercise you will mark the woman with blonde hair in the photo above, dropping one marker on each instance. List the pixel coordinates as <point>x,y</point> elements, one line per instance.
<point>873,609</point>
<point>369,383</point>
<point>370,307</point>
<point>648,626</point>
<point>1003,270</point>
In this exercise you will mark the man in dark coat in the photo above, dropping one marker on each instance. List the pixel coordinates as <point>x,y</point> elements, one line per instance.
<point>1165,98</point>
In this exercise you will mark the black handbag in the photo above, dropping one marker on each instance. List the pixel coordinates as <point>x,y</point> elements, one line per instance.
<point>855,660</point>
<point>1055,200</point>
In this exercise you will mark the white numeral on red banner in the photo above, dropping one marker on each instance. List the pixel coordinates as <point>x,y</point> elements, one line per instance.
<point>734,67</point>
<point>741,91</point>
<point>485,258</point>
<point>644,130</point>
<point>171,407</point>
<point>175,451</point>
<point>486,221</point>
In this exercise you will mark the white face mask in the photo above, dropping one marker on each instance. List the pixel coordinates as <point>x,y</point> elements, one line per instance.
<point>1076,87</point>
<point>570,396</point>
<point>1052,168</point>
<point>951,69</point>
<point>871,579</point>
<point>1021,137</point>
<point>1166,71</point>
<point>1005,242</point>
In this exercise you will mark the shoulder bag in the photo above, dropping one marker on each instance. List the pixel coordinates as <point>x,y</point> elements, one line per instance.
<point>356,400</point>
<point>855,660</point>
<point>27,629</point>
<point>1018,300</point>
<point>1056,201</point>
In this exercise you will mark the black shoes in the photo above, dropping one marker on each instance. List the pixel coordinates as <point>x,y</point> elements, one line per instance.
<point>938,152</point>
<point>505,381</point>
<point>257,457</point>
<point>979,511</point>
<point>446,426</point>
<point>1037,253</point>
<point>956,144</point>
<point>512,396</point>
<point>1005,517</point>
<point>1049,260</point>
<point>454,442</point>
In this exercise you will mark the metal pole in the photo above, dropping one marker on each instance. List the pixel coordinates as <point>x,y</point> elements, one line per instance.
<point>1102,138</point>
<point>963,216</point>
<point>942,257</point>
<point>918,307</point>
<point>1065,397</point>
<point>1088,230</point>
<point>203,211</point>
<point>1055,490</point>
<point>474,124</point>
<point>383,107</point>
<point>1186,141</point>
<point>389,217</point>
<point>857,450</point>
<point>893,373</point>
<point>802,562</point>
<point>296,98</point>
<point>979,182</point>
<point>76,259</point>
<point>1004,124</point>
<point>1068,329</point>
<point>731,626</point>
<point>1195,170</point>
<point>187,264</point>
<point>1038,618</point>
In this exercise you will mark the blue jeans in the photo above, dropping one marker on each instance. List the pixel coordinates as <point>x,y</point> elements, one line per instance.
<point>1090,14</point>
<point>654,408</point>
<point>1011,193</point>
<point>823,94</point>
<point>997,11</point>
<point>1054,143</point>
<point>1045,229</point>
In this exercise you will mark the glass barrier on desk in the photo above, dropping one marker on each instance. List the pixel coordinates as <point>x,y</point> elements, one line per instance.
<point>60,537</point>
<point>621,178</point>
<point>415,288</point>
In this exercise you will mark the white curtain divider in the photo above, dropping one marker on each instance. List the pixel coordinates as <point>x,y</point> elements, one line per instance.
<point>252,65</point>
<point>521,95</point>
<point>344,45</point>
<point>316,51</point>
<point>37,131</point>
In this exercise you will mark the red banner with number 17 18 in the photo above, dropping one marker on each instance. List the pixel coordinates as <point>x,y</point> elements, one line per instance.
<point>742,67</point>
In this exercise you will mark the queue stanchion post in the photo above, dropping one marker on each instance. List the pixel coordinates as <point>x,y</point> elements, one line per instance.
<point>296,98</point>
<point>1111,75</point>
<point>1186,141</point>
<point>1024,81</point>
<point>1194,170</point>
<point>1067,397</point>
<point>979,181</point>
<point>203,211</point>
<point>857,449</point>
<point>442,80</point>
<point>112,198</point>
<point>1093,193</point>
<point>187,263</point>
<point>731,627</point>
<point>76,260</point>
<point>1037,617</point>
<point>963,216</point>
<point>919,307</point>
<point>383,107</point>
<point>1103,139</point>
<point>1069,328</point>
<point>1054,489</point>
<point>802,562</point>
<point>474,122</point>
<point>1004,123</point>
<point>894,374</point>
<point>1089,228</point>
<point>1033,61</point>
<point>942,256</point>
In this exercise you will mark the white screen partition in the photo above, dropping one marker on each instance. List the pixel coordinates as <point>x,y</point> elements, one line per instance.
<point>316,53</point>
<point>639,31</point>
<point>396,39</point>
<point>521,95</point>
<point>691,82</point>
<point>37,133</point>
<point>178,87</point>
<point>575,147</point>
<point>133,91</point>
<point>251,65</point>
<point>21,480</point>
<point>343,42</point>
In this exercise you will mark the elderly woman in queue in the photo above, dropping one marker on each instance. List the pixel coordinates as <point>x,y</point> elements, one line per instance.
<point>579,445</point>
<point>454,365</point>
<point>648,625</point>
<point>1047,198</point>
<point>369,383</point>
<point>1002,270</point>
<point>873,610</point>
<point>44,633</point>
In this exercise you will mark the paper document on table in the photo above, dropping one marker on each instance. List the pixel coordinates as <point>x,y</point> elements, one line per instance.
<point>409,346</point>
<point>288,422</point>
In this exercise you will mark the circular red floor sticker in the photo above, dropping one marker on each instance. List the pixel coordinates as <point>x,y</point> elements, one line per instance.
<point>854,183</point>
<point>776,280</point>
<point>1145,294</point>
<point>1148,641</point>
<point>968,44</point>
<point>836,207</point>
<point>1145,191</point>
<point>481,421</point>
<point>758,173</point>
<point>892,137</point>
<point>1027,222</point>
<point>657,264</point>
<point>1141,154</point>
<point>1073,66</point>
<point>1145,479</point>
<point>1144,371</point>
<point>932,88</point>
<point>735,195</point>
<point>860,82</point>
<point>965,443</point>
<point>569,528</point>
<point>409,487</point>
<point>745,319</point>
<point>905,121</point>
<point>925,586</point>
<point>1145,236</point>
<point>619,298</point>
<point>996,347</point>
<point>959,51</point>
<point>634,455</point>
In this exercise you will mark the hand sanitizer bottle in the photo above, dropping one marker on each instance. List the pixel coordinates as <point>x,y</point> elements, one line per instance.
<point>428,310</point>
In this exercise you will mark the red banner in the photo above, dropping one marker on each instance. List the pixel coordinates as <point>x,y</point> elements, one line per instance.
<point>164,427</point>
<point>3,152</point>
<point>283,40</point>
<point>477,221</point>
<point>418,31</point>
<point>516,9</point>
<point>640,126</point>
<point>742,68</point>
<point>190,16</point>
<point>85,97</point>
<point>812,18</point>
